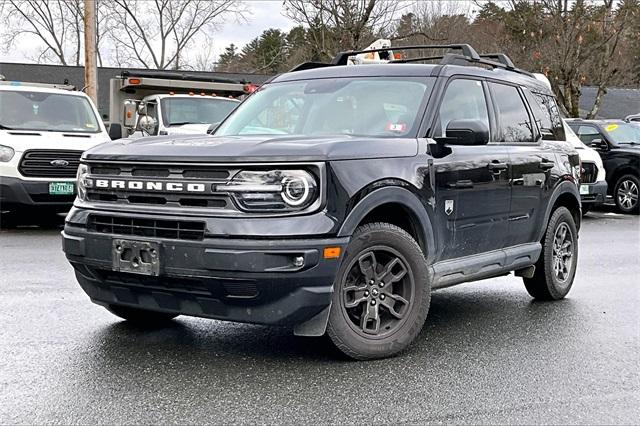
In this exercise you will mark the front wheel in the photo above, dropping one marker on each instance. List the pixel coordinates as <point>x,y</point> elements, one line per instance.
<point>556,267</point>
<point>626,194</point>
<point>381,294</point>
<point>140,316</point>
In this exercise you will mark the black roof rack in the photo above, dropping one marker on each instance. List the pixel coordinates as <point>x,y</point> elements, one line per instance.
<point>177,76</point>
<point>342,57</point>
<point>468,56</point>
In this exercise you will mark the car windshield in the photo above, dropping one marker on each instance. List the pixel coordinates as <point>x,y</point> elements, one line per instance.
<point>195,110</point>
<point>385,107</point>
<point>41,111</point>
<point>622,132</point>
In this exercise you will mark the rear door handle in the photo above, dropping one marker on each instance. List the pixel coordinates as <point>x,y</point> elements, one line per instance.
<point>546,165</point>
<point>496,166</point>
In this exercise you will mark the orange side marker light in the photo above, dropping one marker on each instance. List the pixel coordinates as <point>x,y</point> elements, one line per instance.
<point>331,252</point>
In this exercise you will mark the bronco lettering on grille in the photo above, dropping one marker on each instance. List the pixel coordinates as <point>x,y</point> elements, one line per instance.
<point>159,186</point>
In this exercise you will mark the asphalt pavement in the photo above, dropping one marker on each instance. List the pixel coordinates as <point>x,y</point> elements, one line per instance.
<point>487,353</point>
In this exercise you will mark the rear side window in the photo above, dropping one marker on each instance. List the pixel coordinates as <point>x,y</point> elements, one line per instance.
<point>513,119</point>
<point>588,134</point>
<point>463,100</point>
<point>547,115</point>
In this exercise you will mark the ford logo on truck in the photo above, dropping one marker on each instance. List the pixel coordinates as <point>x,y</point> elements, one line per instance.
<point>153,186</point>
<point>59,163</point>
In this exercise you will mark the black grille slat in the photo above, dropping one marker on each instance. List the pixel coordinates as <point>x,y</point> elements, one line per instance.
<point>589,173</point>
<point>172,229</point>
<point>37,163</point>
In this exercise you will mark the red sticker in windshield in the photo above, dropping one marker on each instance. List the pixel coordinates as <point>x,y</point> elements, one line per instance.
<point>396,127</point>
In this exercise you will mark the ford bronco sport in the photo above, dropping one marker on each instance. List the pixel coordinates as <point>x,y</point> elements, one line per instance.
<point>335,199</point>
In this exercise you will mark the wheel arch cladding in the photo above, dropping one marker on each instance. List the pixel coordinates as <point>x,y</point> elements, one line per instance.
<point>565,195</point>
<point>397,206</point>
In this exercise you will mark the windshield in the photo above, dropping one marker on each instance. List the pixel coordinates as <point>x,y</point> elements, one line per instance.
<point>53,112</point>
<point>622,132</point>
<point>370,106</point>
<point>177,111</point>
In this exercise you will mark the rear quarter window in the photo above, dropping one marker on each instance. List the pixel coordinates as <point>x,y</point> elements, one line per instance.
<point>546,114</point>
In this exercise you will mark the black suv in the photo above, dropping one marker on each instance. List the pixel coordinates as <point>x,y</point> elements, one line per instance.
<point>334,199</point>
<point>618,144</point>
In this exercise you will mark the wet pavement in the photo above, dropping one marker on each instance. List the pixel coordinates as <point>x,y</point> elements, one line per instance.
<point>487,354</point>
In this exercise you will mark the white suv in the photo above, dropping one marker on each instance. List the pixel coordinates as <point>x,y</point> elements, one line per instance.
<point>43,132</point>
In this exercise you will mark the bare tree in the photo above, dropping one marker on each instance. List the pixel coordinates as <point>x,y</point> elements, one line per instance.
<point>56,23</point>
<point>341,24</point>
<point>154,34</point>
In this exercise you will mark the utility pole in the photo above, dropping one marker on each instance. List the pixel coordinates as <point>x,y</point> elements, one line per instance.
<point>90,62</point>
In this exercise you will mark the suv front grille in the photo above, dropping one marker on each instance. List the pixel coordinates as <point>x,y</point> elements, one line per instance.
<point>185,174</point>
<point>589,173</point>
<point>50,163</point>
<point>172,229</point>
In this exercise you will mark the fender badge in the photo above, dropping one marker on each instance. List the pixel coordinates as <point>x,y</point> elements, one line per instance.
<point>448,207</point>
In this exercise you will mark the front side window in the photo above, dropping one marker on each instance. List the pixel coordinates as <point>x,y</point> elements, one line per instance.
<point>513,118</point>
<point>41,111</point>
<point>363,106</point>
<point>463,100</point>
<point>195,110</point>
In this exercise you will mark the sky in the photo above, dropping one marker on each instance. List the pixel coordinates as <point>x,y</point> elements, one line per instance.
<point>263,14</point>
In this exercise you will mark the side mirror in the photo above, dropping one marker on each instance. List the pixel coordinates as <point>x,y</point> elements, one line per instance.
<point>130,114</point>
<point>148,124</point>
<point>115,131</point>
<point>466,132</point>
<point>599,144</point>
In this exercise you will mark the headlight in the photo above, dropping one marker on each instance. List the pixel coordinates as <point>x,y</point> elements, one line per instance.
<point>82,181</point>
<point>274,190</point>
<point>6,153</point>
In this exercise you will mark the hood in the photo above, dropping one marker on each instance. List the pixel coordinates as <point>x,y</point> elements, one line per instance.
<point>628,149</point>
<point>22,140</point>
<point>253,148</point>
<point>188,129</point>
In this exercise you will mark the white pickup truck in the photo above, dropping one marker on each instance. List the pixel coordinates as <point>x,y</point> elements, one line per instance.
<point>43,131</point>
<point>169,103</point>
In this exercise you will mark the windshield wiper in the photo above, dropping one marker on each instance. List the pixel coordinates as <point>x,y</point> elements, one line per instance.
<point>3,127</point>
<point>180,123</point>
<point>628,143</point>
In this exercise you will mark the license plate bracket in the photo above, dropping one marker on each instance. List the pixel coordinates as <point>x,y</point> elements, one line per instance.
<point>136,257</point>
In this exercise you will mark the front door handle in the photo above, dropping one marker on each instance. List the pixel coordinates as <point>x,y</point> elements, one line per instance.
<point>546,165</point>
<point>497,167</point>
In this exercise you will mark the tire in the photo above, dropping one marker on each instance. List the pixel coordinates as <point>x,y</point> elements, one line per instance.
<point>626,194</point>
<point>391,258</point>
<point>548,283</point>
<point>585,210</point>
<point>140,316</point>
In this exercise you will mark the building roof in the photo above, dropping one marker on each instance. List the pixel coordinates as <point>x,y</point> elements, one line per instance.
<point>39,73</point>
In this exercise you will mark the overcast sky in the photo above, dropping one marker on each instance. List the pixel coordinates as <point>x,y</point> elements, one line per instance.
<point>263,14</point>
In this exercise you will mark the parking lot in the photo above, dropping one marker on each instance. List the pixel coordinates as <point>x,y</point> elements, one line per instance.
<point>487,353</point>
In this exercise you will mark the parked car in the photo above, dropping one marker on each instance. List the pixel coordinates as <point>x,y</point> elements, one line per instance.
<point>593,184</point>
<point>618,143</point>
<point>334,199</point>
<point>43,131</point>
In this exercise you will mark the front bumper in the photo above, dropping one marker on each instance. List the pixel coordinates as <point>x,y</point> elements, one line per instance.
<point>243,280</point>
<point>597,193</point>
<point>19,193</point>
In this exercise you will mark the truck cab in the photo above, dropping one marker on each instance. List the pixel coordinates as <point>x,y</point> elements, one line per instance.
<point>162,103</point>
<point>180,114</point>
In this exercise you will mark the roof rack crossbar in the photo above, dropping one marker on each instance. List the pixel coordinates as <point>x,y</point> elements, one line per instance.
<point>342,57</point>
<point>499,57</point>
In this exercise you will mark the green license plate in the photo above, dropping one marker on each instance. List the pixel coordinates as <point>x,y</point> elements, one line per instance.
<point>61,188</point>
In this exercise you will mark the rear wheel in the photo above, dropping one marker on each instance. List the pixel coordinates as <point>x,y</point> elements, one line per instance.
<point>140,316</point>
<point>626,194</point>
<point>381,295</point>
<point>556,268</point>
